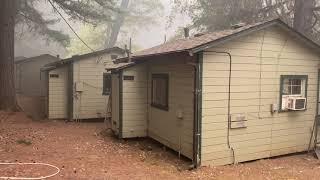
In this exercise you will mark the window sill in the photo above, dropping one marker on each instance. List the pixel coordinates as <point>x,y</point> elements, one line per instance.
<point>164,108</point>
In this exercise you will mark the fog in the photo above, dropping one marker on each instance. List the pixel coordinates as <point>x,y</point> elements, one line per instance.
<point>28,44</point>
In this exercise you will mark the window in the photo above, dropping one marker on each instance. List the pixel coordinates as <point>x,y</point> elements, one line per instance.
<point>160,91</point>
<point>292,86</point>
<point>106,84</point>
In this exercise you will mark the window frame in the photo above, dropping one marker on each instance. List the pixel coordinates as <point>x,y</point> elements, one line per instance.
<point>166,78</point>
<point>104,88</point>
<point>304,85</point>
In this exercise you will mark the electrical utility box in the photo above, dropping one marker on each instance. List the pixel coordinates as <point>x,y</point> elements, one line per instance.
<point>238,121</point>
<point>79,87</point>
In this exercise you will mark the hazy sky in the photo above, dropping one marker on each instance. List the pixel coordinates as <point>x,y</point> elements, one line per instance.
<point>147,36</point>
<point>155,35</point>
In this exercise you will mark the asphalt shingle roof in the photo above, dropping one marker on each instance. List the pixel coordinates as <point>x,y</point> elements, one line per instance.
<point>205,41</point>
<point>192,42</point>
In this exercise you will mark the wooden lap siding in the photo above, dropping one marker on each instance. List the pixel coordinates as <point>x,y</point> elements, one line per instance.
<point>90,103</point>
<point>266,135</point>
<point>115,103</point>
<point>134,107</point>
<point>58,94</point>
<point>165,126</point>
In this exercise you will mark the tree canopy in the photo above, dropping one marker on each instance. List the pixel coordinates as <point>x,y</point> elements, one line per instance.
<point>211,15</point>
<point>103,14</point>
<point>105,35</point>
<point>93,36</point>
<point>92,12</point>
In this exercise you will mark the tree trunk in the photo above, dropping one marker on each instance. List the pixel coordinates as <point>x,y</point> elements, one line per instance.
<point>112,39</point>
<point>7,85</point>
<point>303,14</point>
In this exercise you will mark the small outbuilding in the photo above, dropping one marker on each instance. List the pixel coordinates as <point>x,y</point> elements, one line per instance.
<point>29,79</point>
<point>223,97</point>
<point>77,86</point>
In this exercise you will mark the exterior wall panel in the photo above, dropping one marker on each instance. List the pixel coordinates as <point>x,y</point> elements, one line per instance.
<point>58,94</point>
<point>135,98</point>
<point>165,126</point>
<point>258,61</point>
<point>90,103</point>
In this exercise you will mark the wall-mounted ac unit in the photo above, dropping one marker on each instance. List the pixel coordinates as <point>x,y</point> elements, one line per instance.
<point>296,103</point>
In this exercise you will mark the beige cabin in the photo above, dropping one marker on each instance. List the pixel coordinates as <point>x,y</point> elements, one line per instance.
<point>76,85</point>
<point>224,97</point>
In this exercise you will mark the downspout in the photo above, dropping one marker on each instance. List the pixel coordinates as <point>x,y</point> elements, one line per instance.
<point>229,101</point>
<point>197,110</point>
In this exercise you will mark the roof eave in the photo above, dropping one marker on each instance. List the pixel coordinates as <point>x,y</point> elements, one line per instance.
<point>67,61</point>
<point>135,58</point>
<point>120,68</point>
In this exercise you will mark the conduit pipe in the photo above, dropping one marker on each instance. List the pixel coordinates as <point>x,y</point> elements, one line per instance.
<point>229,100</point>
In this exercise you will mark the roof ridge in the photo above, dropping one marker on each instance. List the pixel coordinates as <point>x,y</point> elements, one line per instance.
<point>205,34</point>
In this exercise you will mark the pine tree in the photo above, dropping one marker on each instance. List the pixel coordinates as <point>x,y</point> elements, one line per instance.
<point>7,85</point>
<point>15,12</point>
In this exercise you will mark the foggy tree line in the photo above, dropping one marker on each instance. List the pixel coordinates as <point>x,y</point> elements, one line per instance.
<point>206,15</point>
<point>211,15</point>
<point>15,12</point>
<point>24,12</point>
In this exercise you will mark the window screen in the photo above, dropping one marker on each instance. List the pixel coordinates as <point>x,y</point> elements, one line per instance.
<point>106,84</point>
<point>160,91</point>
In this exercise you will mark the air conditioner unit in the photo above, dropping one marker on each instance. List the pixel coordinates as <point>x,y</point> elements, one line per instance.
<point>296,103</point>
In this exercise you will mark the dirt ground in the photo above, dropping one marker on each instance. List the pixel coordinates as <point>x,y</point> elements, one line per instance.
<point>88,151</point>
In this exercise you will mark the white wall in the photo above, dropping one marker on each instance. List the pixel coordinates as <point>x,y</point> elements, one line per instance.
<point>90,103</point>
<point>58,94</point>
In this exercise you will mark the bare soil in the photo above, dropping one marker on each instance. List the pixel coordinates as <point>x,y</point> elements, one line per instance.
<point>88,151</point>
